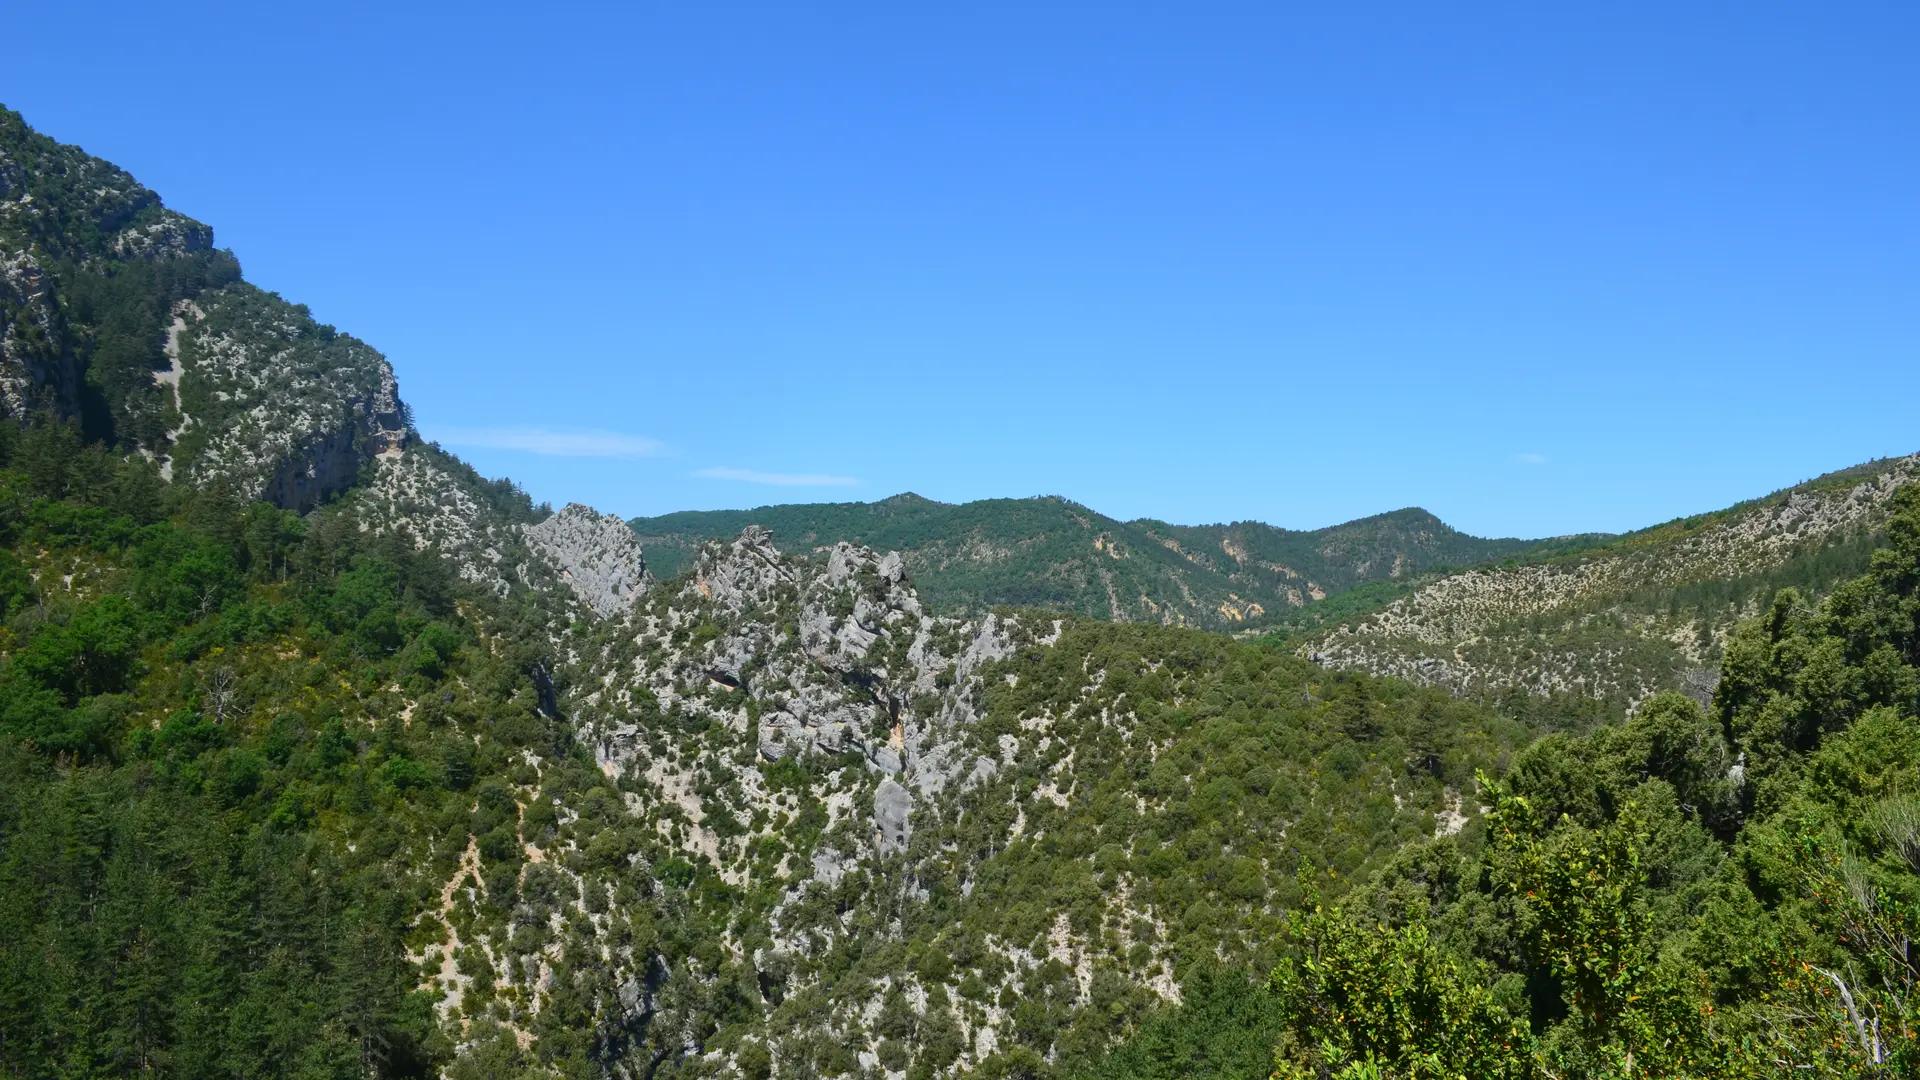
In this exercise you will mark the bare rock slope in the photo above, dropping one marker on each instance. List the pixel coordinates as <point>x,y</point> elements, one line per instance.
<point>596,555</point>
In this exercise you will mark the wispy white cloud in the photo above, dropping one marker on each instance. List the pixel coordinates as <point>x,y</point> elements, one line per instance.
<point>1530,459</point>
<point>604,444</point>
<point>753,476</point>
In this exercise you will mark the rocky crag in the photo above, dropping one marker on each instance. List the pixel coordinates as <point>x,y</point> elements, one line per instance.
<point>119,315</point>
<point>596,555</point>
<point>274,405</point>
<point>870,809</point>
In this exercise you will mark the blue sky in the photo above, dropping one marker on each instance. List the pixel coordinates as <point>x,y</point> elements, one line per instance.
<point>1536,269</point>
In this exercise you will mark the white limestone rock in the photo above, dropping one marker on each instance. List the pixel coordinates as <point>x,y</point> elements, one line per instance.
<point>280,407</point>
<point>596,554</point>
<point>892,809</point>
<point>171,236</point>
<point>36,372</point>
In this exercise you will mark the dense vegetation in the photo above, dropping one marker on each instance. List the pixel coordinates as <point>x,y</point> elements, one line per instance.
<point>1688,893</point>
<point>242,752</point>
<point>1054,554</point>
<point>99,342</point>
<point>239,751</point>
<point>337,793</point>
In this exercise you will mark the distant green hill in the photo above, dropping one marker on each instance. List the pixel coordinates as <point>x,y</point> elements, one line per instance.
<point>1051,553</point>
<point>1617,621</point>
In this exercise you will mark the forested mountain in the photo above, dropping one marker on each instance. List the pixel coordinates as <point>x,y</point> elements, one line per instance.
<point>121,316</point>
<point>1608,625</point>
<point>1729,892</point>
<point>1051,553</point>
<point>322,756</point>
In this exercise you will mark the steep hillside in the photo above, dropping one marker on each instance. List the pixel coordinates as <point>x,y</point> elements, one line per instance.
<point>323,756</point>
<point>1725,893</point>
<point>120,315</point>
<point>1051,553</point>
<point>937,842</point>
<point>1645,612</point>
<point>430,780</point>
<point>420,783</point>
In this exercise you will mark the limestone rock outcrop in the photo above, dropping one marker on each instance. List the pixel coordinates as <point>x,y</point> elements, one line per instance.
<point>419,493</point>
<point>892,806</point>
<point>834,651</point>
<point>249,393</point>
<point>37,371</point>
<point>596,555</point>
<point>278,406</point>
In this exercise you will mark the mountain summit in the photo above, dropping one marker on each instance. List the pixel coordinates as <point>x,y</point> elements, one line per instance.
<point>121,315</point>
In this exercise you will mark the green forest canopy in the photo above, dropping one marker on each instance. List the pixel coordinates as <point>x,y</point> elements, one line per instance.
<point>219,828</point>
<point>1690,893</point>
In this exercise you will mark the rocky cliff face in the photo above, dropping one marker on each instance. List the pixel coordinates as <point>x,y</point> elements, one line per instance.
<point>37,371</point>
<point>836,655</point>
<point>845,770</point>
<point>596,555</point>
<point>799,725</point>
<point>274,405</point>
<point>119,313</point>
